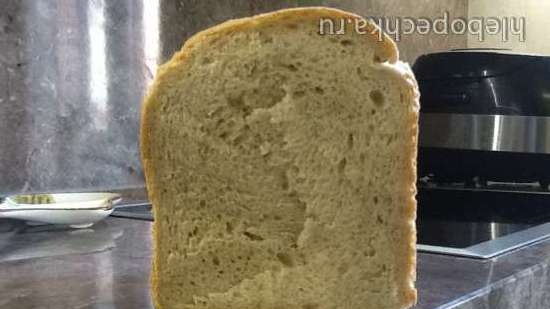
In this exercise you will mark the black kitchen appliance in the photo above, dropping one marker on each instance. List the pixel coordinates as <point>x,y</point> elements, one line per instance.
<point>484,114</point>
<point>484,151</point>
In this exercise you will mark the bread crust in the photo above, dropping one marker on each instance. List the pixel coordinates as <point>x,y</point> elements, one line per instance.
<point>411,175</point>
<point>385,47</point>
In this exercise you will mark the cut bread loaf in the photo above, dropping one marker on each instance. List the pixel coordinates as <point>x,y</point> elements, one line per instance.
<point>281,168</point>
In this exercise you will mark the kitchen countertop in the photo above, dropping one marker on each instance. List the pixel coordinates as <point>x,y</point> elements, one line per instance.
<point>107,266</point>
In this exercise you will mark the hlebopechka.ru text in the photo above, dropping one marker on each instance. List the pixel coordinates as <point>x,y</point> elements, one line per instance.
<point>507,28</point>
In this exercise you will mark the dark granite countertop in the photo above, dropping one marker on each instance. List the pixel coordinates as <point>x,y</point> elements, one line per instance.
<point>107,266</point>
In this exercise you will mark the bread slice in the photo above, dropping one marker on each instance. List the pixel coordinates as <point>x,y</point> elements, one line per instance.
<point>281,168</point>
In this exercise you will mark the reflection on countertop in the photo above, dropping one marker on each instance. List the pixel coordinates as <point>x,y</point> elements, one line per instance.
<point>53,240</point>
<point>108,267</point>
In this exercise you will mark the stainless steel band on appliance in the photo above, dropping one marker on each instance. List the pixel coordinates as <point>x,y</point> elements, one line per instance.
<point>522,134</point>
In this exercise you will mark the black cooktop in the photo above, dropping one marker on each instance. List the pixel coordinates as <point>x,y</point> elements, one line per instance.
<point>468,217</point>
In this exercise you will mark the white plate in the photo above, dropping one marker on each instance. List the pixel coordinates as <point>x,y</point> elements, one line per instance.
<point>78,210</point>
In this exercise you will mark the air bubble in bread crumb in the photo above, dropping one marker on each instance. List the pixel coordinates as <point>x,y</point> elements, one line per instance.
<point>343,268</point>
<point>265,38</point>
<point>298,94</point>
<point>265,149</point>
<point>342,165</point>
<point>319,90</point>
<point>369,252</point>
<point>361,74</point>
<point>285,259</point>
<point>253,236</point>
<point>346,42</point>
<point>292,67</point>
<point>350,141</point>
<point>377,98</point>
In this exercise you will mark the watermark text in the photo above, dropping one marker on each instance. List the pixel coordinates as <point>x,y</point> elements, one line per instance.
<point>506,27</point>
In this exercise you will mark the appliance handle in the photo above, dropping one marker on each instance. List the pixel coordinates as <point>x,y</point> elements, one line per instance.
<point>451,98</point>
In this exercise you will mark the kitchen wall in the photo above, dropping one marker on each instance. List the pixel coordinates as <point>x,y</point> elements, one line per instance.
<point>73,73</point>
<point>71,76</point>
<point>535,13</point>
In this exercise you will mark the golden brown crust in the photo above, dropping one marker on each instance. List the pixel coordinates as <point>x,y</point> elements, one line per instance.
<point>386,49</point>
<point>411,297</point>
<point>403,75</point>
<point>145,131</point>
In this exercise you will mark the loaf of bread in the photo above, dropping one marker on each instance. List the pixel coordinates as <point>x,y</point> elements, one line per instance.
<point>281,167</point>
